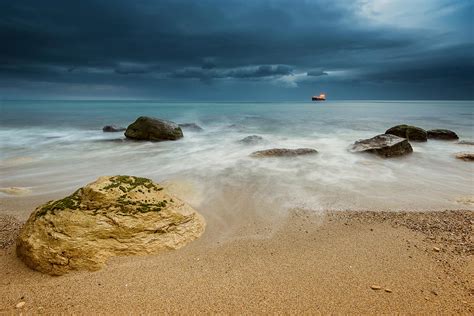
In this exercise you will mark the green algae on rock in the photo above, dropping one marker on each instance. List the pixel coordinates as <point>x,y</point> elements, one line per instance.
<point>118,215</point>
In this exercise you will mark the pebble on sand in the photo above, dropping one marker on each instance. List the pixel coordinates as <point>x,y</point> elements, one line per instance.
<point>375,287</point>
<point>436,249</point>
<point>388,290</point>
<point>20,305</point>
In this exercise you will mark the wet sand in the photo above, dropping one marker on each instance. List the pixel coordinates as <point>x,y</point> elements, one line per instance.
<point>300,263</point>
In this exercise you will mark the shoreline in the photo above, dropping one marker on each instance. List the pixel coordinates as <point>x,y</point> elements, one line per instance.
<point>305,262</point>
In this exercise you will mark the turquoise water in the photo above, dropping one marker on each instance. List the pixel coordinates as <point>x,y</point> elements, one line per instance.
<point>52,147</point>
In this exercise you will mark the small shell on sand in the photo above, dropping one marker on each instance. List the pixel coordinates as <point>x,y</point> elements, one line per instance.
<point>15,191</point>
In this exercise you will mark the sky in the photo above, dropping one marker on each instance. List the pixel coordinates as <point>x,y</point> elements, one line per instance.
<point>246,50</point>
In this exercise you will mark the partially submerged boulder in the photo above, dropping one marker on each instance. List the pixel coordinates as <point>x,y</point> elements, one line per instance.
<point>384,145</point>
<point>112,129</point>
<point>283,152</point>
<point>466,142</point>
<point>153,129</point>
<point>113,216</point>
<point>252,139</point>
<point>191,126</point>
<point>409,132</point>
<point>465,156</point>
<point>442,134</point>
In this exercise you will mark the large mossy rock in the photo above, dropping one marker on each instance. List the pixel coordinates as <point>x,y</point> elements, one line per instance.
<point>113,216</point>
<point>384,145</point>
<point>442,134</point>
<point>409,132</point>
<point>148,128</point>
<point>283,152</point>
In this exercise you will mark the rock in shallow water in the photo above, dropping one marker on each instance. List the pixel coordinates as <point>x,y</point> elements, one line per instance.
<point>442,134</point>
<point>409,132</point>
<point>191,126</point>
<point>148,128</point>
<point>384,145</point>
<point>465,156</point>
<point>252,139</point>
<point>283,152</point>
<point>112,129</point>
<point>112,216</point>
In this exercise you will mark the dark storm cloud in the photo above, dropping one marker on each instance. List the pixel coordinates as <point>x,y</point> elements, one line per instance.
<point>157,47</point>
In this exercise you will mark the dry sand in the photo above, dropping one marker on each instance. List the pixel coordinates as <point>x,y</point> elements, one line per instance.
<point>303,263</point>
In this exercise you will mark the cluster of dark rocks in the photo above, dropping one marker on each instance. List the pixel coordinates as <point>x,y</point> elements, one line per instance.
<point>393,143</point>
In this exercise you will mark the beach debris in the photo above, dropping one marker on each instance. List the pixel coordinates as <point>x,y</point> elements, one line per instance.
<point>112,129</point>
<point>436,249</point>
<point>384,145</point>
<point>442,134</point>
<point>115,215</point>
<point>388,290</point>
<point>191,126</point>
<point>283,152</point>
<point>409,132</point>
<point>252,139</point>
<point>20,305</point>
<point>153,129</point>
<point>375,287</point>
<point>465,156</point>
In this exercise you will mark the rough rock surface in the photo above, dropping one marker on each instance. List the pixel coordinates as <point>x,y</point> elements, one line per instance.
<point>119,215</point>
<point>191,126</point>
<point>283,152</point>
<point>409,132</point>
<point>465,156</point>
<point>147,128</point>
<point>112,129</point>
<point>384,145</point>
<point>252,139</point>
<point>443,134</point>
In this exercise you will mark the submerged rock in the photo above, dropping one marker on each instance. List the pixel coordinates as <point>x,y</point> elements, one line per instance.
<point>283,152</point>
<point>465,156</point>
<point>443,134</point>
<point>15,191</point>
<point>112,129</point>
<point>113,216</point>
<point>409,132</point>
<point>191,126</point>
<point>466,142</point>
<point>384,145</point>
<point>252,139</point>
<point>147,128</point>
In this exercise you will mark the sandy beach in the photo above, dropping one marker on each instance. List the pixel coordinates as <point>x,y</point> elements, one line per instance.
<point>304,262</point>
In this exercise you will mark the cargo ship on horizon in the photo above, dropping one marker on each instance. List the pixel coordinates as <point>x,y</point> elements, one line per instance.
<point>321,97</point>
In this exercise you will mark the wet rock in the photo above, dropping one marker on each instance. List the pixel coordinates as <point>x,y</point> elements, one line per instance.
<point>252,139</point>
<point>409,132</point>
<point>283,152</point>
<point>153,129</point>
<point>113,216</point>
<point>442,134</point>
<point>384,145</point>
<point>112,129</point>
<point>192,127</point>
<point>465,156</point>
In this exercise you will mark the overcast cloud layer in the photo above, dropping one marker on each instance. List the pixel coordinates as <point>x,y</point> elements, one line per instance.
<point>236,50</point>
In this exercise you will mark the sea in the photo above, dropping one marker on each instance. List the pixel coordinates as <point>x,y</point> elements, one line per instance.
<point>51,148</point>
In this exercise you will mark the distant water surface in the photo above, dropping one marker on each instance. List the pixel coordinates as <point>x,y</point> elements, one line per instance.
<point>56,146</point>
